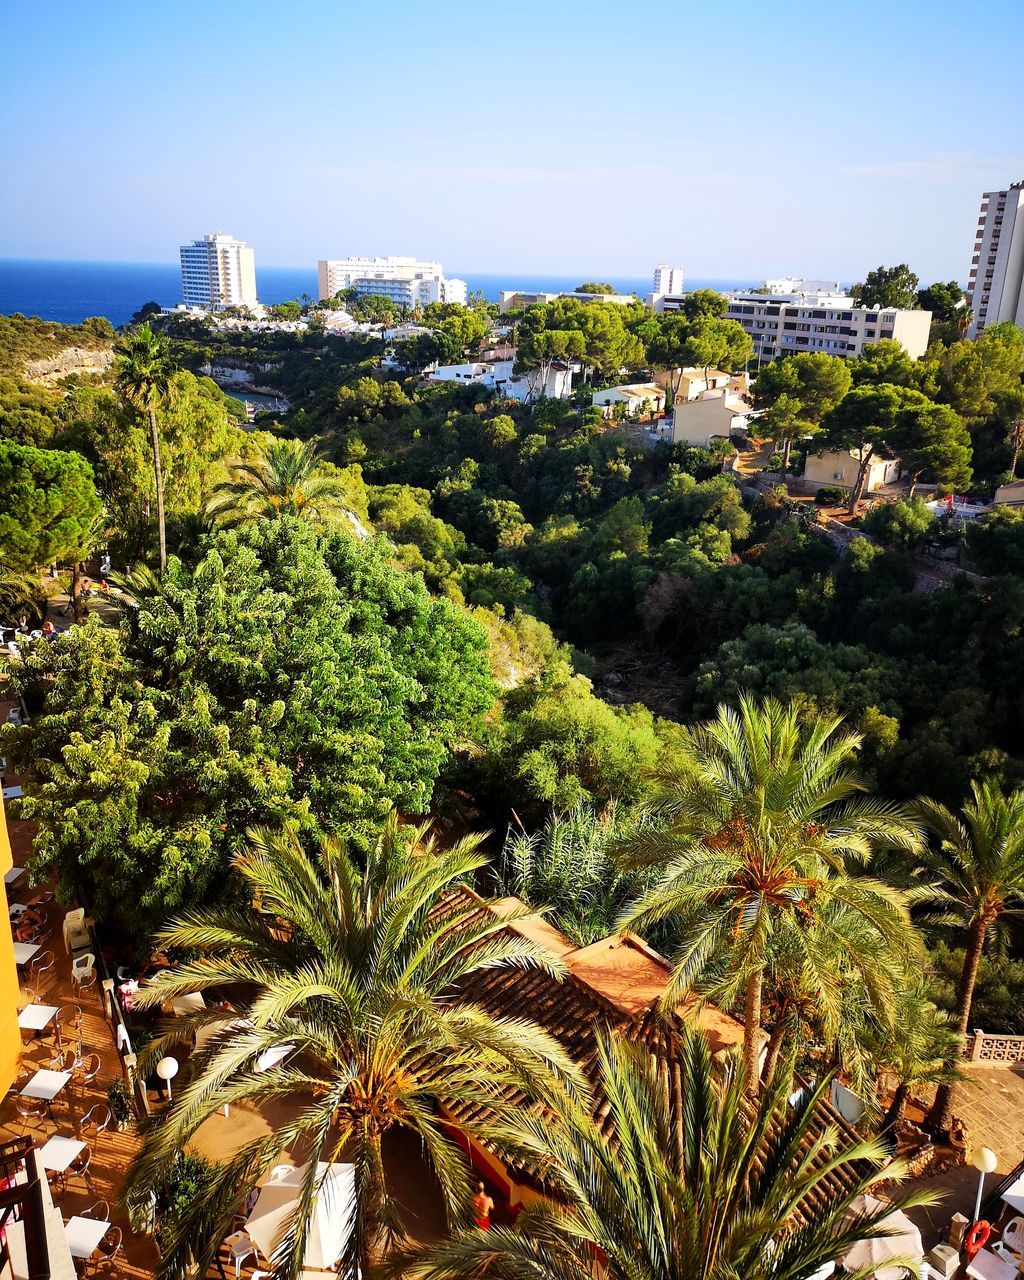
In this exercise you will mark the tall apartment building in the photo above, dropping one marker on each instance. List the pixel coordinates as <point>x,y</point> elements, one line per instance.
<point>218,271</point>
<point>783,324</point>
<point>405,281</point>
<point>995,291</point>
<point>668,279</point>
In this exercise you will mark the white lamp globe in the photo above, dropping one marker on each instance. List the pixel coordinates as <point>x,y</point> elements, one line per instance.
<point>984,1159</point>
<point>167,1069</point>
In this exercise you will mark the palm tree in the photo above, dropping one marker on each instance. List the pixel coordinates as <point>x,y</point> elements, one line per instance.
<point>683,1180</point>
<point>976,874</point>
<point>917,1048</point>
<point>287,477</point>
<point>143,379</point>
<point>353,969</point>
<point>752,834</point>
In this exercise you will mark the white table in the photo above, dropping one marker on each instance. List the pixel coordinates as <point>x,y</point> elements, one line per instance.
<point>986,1265</point>
<point>15,873</point>
<point>58,1153</point>
<point>36,1016</point>
<point>13,793</point>
<point>16,910</point>
<point>46,1084</point>
<point>84,1234</point>
<point>1014,1195</point>
<point>24,951</point>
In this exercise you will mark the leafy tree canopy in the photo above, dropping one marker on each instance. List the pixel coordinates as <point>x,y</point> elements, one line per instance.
<point>887,287</point>
<point>283,678</point>
<point>48,505</point>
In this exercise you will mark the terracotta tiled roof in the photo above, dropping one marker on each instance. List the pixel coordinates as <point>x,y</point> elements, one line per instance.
<point>612,985</point>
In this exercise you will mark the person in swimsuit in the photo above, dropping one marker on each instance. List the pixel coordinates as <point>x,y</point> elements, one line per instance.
<point>483,1206</point>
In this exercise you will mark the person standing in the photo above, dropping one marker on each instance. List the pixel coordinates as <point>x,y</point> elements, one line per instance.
<point>483,1206</point>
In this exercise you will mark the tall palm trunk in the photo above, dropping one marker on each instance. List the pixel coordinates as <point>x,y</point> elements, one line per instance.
<point>897,1106</point>
<point>774,1049</point>
<point>942,1108</point>
<point>158,476</point>
<point>752,1032</point>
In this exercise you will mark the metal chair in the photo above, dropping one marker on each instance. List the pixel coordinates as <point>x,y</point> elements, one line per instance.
<point>79,1168</point>
<point>109,1247</point>
<point>280,1171</point>
<point>95,1121</point>
<point>68,1021</point>
<point>100,1210</point>
<point>30,1109</point>
<point>40,970</point>
<point>88,1068</point>
<point>63,1060</point>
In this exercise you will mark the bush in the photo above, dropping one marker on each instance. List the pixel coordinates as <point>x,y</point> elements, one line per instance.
<point>832,495</point>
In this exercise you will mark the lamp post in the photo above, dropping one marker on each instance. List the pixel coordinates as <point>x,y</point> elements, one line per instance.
<point>984,1160</point>
<point>167,1069</point>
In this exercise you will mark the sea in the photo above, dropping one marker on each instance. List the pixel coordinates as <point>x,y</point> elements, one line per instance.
<point>71,291</point>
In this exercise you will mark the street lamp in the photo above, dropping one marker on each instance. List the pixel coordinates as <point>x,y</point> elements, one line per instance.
<point>984,1160</point>
<point>167,1069</point>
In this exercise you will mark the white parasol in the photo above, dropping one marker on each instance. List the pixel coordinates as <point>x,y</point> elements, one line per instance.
<point>333,1213</point>
<point>903,1240</point>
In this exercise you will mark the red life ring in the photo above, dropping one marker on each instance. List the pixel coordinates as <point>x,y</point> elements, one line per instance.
<point>977,1237</point>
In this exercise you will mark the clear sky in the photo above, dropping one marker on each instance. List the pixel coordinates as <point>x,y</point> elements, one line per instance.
<point>736,139</point>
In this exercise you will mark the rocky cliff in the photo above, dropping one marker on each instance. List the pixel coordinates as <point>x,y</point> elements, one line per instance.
<point>70,360</point>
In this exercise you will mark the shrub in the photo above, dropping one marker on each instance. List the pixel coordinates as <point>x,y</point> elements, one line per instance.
<point>831,495</point>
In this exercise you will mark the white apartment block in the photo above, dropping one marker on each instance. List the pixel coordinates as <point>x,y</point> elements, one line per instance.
<point>995,291</point>
<point>218,271</point>
<point>497,375</point>
<point>785,324</point>
<point>407,282</point>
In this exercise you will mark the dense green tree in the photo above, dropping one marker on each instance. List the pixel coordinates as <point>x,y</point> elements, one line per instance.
<point>349,960</point>
<point>48,505</point>
<point>592,286</point>
<point>944,301</point>
<point>906,523</point>
<point>285,677</point>
<point>680,1179</point>
<point>143,379</point>
<point>887,287</point>
<point>717,344</point>
<point>196,430</point>
<point>996,541</point>
<point>887,361</point>
<point>702,304</point>
<point>932,443</point>
<point>758,821</point>
<point>864,421</point>
<point>973,375</point>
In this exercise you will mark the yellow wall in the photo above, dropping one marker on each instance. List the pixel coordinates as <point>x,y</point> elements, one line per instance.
<point>10,991</point>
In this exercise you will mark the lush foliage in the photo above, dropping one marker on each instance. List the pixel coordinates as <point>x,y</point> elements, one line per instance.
<point>281,678</point>
<point>350,963</point>
<point>48,506</point>
<point>680,1183</point>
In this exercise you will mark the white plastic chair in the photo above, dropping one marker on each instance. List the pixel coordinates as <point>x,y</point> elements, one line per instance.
<point>1013,1235</point>
<point>280,1171</point>
<point>83,970</point>
<point>240,1246</point>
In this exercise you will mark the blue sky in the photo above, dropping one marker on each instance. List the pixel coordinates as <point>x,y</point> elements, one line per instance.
<point>740,139</point>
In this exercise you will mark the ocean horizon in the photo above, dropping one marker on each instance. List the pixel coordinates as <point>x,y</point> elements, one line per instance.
<point>69,290</point>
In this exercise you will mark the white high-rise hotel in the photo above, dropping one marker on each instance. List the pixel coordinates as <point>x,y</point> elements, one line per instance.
<point>995,291</point>
<point>218,271</point>
<point>405,281</point>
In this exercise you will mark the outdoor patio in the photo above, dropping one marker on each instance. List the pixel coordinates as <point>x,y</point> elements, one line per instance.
<point>50,996</point>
